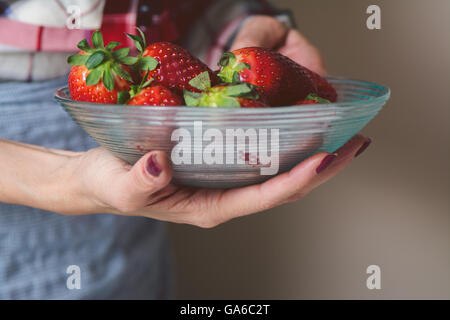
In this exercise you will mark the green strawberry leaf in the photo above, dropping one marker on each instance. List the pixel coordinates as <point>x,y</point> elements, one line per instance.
<point>123,97</point>
<point>127,60</point>
<point>144,42</point>
<point>147,64</point>
<point>84,45</point>
<point>77,59</point>
<point>120,53</point>
<point>108,78</point>
<point>95,59</point>
<point>218,101</point>
<point>94,76</point>
<point>236,78</point>
<point>138,42</point>
<point>228,58</point>
<point>145,80</point>
<point>315,97</point>
<point>121,72</point>
<point>201,82</point>
<point>147,83</point>
<point>242,66</point>
<point>253,95</point>
<point>229,71</point>
<point>133,90</point>
<point>238,90</point>
<point>112,45</point>
<point>228,102</point>
<point>97,40</point>
<point>192,99</point>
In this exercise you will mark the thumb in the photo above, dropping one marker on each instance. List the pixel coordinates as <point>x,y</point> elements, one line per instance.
<point>150,174</point>
<point>259,31</point>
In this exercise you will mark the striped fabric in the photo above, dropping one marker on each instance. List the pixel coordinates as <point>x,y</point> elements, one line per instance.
<point>119,257</point>
<point>36,36</point>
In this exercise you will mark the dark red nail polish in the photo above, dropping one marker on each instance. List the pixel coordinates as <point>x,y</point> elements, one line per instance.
<point>363,147</point>
<point>153,167</point>
<point>325,163</point>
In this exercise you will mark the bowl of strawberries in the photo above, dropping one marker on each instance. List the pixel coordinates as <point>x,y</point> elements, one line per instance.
<point>258,115</point>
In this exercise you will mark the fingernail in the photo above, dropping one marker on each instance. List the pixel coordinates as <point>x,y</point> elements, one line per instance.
<point>363,147</point>
<point>153,167</point>
<point>325,163</point>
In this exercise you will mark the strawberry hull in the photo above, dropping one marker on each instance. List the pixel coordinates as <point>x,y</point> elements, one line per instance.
<point>241,95</point>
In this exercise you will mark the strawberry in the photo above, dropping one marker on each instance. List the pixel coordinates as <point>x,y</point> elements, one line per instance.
<point>312,99</point>
<point>98,73</point>
<point>280,79</point>
<point>252,103</point>
<point>156,95</point>
<point>176,66</point>
<point>148,94</point>
<point>324,88</point>
<point>240,95</point>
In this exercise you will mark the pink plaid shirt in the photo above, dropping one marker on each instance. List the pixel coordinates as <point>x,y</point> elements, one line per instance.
<point>37,35</point>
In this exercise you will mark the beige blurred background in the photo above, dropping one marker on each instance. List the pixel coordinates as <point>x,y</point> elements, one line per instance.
<point>389,208</point>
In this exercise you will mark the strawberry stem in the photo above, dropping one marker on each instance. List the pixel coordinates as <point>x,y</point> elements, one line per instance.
<point>230,67</point>
<point>103,62</point>
<point>218,96</point>
<point>316,98</point>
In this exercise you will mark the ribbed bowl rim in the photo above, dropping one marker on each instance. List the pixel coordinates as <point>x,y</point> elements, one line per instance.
<point>383,93</point>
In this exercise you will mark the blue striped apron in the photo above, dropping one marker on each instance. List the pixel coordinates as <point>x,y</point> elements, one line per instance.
<point>118,257</point>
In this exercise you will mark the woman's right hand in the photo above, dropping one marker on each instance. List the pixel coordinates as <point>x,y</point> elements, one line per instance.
<point>145,189</point>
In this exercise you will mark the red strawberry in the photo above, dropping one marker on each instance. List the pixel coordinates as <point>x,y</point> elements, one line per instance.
<point>312,99</point>
<point>252,103</point>
<point>242,95</point>
<point>97,93</point>
<point>324,88</point>
<point>175,67</point>
<point>280,79</point>
<point>156,95</point>
<point>97,73</point>
<point>148,94</point>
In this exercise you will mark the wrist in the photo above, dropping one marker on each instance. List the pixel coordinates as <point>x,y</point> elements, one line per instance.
<point>83,197</point>
<point>44,178</point>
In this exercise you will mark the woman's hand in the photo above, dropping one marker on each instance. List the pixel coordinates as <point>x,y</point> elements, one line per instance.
<point>145,189</point>
<point>268,32</point>
<point>97,182</point>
